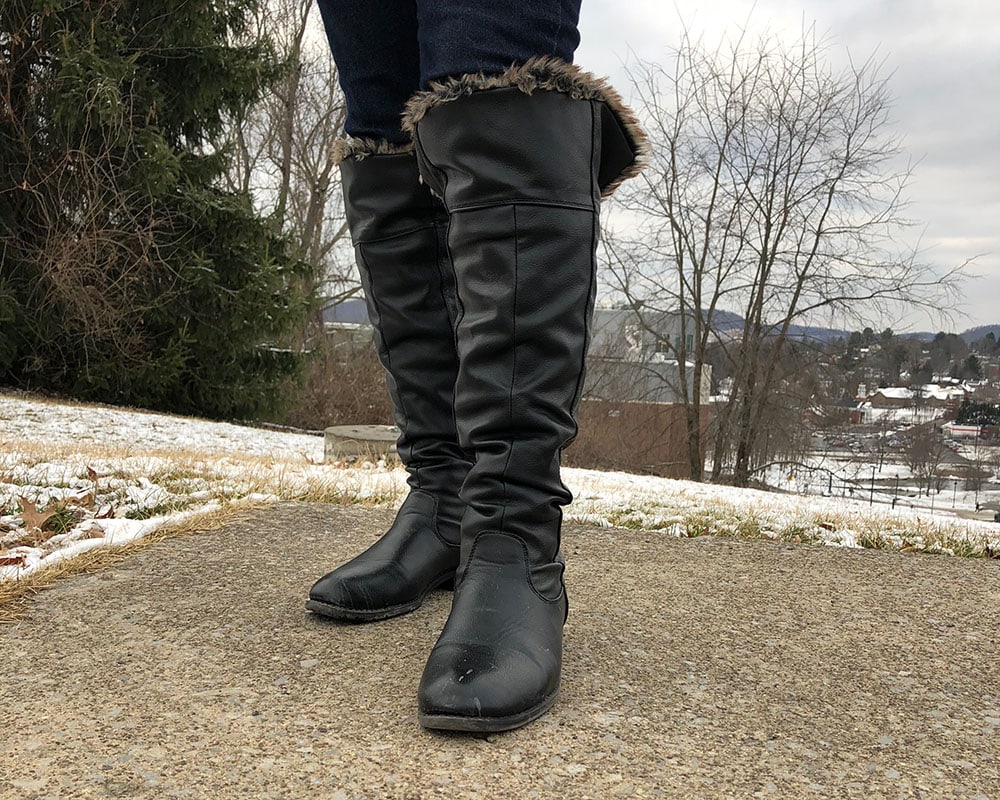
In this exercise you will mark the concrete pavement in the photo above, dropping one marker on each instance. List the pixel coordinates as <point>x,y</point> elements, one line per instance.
<point>704,668</point>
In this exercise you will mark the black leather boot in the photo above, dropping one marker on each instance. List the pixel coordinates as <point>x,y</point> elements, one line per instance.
<point>398,230</point>
<point>521,161</point>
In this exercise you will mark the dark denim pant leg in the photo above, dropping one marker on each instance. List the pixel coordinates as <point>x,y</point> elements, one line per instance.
<point>375,47</point>
<point>462,36</point>
<point>385,50</point>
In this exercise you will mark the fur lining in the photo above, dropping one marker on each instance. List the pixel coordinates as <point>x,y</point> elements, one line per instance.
<point>349,147</point>
<point>543,73</point>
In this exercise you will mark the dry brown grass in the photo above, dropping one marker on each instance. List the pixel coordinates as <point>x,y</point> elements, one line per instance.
<point>287,477</point>
<point>235,480</point>
<point>47,452</point>
<point>15,595</point>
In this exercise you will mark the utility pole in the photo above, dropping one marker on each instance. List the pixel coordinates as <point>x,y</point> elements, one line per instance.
<point>976,465</point>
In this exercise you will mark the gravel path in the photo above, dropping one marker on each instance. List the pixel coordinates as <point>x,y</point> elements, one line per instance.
<point>704,668</point>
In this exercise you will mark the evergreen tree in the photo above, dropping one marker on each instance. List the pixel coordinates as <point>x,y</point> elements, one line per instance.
<point>973,413</point>
<point>971,368</point>
<point>127,274</point>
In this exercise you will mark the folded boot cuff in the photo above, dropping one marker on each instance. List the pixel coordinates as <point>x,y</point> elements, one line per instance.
<point>349,147</point>
<point>543,73</point>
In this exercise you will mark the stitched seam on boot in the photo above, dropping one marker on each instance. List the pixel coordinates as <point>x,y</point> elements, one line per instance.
<point>421,157</point>
<point>459,315</point>
<point>513,379</point>
<point>442,277</point>
<point>446,272</point>
<point>388,360</point>
<point>437,529</point>
<point>522,202</point>
<point>588,309</point>
<point>391,236</point>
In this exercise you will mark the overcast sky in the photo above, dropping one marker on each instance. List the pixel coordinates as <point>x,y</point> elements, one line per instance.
<point>944,56</point>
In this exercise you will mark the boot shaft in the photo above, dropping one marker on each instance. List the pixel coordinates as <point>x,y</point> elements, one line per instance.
<point>520,174</point>
<point>398,229</point>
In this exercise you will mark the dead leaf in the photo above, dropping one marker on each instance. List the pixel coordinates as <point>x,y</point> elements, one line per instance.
<point>13,561</point>
<point>84,500</point>
<point>92,474</point>
<point>33,518</point>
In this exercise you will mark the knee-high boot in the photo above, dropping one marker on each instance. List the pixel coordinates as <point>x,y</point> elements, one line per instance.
<point>521,161</point>
<point>398,232</point>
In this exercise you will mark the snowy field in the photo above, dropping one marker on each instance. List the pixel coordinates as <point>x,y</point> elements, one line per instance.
<point>76,477</point>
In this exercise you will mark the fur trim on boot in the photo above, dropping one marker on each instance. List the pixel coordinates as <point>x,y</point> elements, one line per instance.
<point>349,147</point>
<point>543,73</point>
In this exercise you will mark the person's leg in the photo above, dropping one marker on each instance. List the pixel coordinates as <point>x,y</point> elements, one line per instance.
<point>459,37</point>
<point>374,45</point>
<point>398,232</point>
<point>521,157</point>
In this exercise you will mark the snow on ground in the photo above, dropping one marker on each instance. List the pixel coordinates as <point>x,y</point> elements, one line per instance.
<point>74,477</point>
<point>112,475</point>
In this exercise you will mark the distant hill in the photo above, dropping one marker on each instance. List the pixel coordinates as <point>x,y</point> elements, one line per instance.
<point>728,322</point>
<point>829,334</point>
<point>354,311</point>
<point>725,321</point>
<point>811,333</point>
<point>969,336</point>
<point>819,334</point>
<point>975,334</point>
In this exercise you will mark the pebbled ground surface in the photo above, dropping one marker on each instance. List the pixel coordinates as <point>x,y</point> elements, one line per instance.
<point>705,668</point>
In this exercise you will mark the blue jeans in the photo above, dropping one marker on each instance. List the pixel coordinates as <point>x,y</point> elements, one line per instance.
<point>386,50</point>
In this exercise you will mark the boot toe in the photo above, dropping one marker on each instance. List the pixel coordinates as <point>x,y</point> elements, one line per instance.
<point>393,576</point>
<point>337,589</point>
<point>347,596</point>
<point>477,687</point>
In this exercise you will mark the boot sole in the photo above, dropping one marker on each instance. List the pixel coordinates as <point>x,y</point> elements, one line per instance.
<point>453,722</point>
<point>342,614</point>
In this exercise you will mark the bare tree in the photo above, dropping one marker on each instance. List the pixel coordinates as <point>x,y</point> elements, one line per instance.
<point>924,453</point>
<point>283,147</point>
<point>775,190</point>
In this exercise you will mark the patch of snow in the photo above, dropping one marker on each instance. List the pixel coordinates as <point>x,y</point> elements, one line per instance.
<point>115,475</point>
<point>841,538</point>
